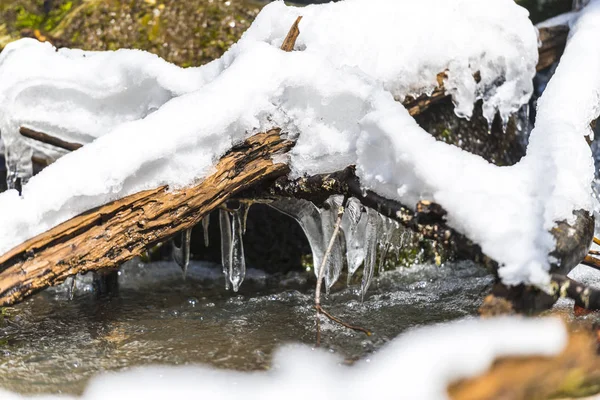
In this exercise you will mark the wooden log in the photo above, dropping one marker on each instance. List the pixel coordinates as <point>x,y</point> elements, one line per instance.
<point>570,374</point>
<point>116,232</point>
<point>554,40</point>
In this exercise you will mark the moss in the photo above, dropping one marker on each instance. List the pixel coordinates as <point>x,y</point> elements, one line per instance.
<point>26,18</point>
<point>188,33</point>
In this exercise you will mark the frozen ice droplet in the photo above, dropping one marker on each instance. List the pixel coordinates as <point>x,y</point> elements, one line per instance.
<point>387,232</point>
<point>237,263</point>
<point>371,251</point>
<point>181,254</point>
<point>354,224</point>
<point>244,210</point>
<point>308,217</point>
<point>334,263</point>
<point>225,225</point>
<point>205,225</point>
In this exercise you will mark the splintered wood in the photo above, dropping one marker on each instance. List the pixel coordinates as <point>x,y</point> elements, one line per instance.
<point>114,233</point>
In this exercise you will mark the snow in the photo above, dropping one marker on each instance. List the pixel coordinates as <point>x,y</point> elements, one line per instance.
<point>336,97</point>
<point>418,365</point>
<point>79,95</point>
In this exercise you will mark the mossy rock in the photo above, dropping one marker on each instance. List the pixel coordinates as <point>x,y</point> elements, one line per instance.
<point>187,33</point>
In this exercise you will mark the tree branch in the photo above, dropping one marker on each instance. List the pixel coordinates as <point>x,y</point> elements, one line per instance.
<point>116,232</point>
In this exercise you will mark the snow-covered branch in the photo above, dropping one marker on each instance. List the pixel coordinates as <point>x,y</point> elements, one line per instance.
<point>337,99</point>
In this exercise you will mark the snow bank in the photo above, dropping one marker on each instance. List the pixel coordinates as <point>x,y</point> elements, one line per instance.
<point>417,365</point>
<point>78,95</point>
<point>336,98</point>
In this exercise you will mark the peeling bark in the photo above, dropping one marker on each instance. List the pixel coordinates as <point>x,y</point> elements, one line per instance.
<point>116,232</point>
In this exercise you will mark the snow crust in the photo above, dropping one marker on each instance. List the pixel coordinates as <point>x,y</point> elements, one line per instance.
<point>79,95</point>
<point>336,97</point>
<point>418,365</point>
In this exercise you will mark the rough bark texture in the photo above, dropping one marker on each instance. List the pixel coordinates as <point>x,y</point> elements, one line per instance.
<point>554,40</point>
<point>116,232</point>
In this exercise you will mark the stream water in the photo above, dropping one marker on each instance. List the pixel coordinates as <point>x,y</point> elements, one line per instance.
<point>50,344</point>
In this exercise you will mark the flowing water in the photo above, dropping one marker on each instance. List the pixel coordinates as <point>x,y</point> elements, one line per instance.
<point>53,345</point>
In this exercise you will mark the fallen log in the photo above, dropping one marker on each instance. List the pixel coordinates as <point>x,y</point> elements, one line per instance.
<point>573,373</point>
<point>116,232</point>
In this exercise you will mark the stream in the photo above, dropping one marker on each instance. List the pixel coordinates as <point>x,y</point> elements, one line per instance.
<point>50,344</point>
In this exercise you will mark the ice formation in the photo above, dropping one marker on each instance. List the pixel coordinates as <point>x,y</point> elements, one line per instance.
<point>226,239</point>
<point>336,96</point>
<point>181,254</point>
<point>355,246</point>
<point>418,365</point>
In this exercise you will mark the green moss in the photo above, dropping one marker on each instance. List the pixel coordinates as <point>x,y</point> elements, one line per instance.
<point>188,33</point>
<point>26,19</point>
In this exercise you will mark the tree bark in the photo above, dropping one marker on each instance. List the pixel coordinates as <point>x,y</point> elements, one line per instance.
<point>116,232</point>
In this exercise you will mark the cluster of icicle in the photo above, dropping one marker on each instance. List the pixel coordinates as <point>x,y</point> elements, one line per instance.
<point>365,233</point>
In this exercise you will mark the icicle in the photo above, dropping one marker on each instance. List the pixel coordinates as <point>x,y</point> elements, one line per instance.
<point>399,236</point>
<point>387,226</point>
<point>237,263</point>
<point>244,209</point>
<point>205,225</point>
<point>70,284</point>
<point>308,217</point>
<point>371,251</point>
<point>225,244</point>
<point>335,261</point>
<point>19,167</point>
<point>181,255</point>
<point>354,223</point>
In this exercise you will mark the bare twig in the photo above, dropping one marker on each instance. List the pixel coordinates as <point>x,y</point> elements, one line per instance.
<point>48,139</point>
<point>318,307</point>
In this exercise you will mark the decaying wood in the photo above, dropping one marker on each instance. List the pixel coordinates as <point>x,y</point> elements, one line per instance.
<point>554,40</point>
<point>118,231</point>
<point>564,376</point>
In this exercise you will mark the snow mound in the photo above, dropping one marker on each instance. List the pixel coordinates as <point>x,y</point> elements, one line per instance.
<point>336,96</point>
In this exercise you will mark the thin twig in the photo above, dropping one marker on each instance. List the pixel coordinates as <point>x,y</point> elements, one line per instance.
<point>47,139</point>
<point>290,39</point>
<point>321,274</point>
<point>339,321</point>
<point>597,241</point>
<point>336,229</point>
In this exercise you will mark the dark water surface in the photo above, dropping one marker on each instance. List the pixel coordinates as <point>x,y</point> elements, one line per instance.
<point>52,345</point>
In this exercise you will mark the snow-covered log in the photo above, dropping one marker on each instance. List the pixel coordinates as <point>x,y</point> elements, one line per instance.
<point>336,98</point>
<point>116,232</point>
